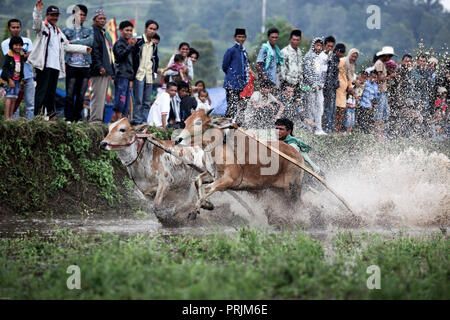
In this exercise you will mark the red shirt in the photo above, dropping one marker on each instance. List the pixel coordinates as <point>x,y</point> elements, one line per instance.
<point>249,88</point>
<point>17,67</point>
<point>441,103</point>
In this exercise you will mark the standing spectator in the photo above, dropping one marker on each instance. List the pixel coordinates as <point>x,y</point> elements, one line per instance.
<point>124,72</point>
<point>421,85</point>
<point>183,49</point>
<point>145,63</point>
<point>270,58</point>
<point>324,56</point>
<point>312,78</point>
<point>48,57</point>
<point>159,111</point>
<point>235,67</point>
<point>368,98</point>
<point>381,111</point>
<point>345,76</point>
<point>432,68</point>
<point>77,64</point>
<point>14,28</point>
<point>12,73</point>
<point>101,69</point>
<point>439,121</point>
<point>398,92</point>
<point>291,70</point>
<point>330,87</point>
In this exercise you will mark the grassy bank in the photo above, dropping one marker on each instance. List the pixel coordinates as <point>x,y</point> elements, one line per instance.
<point>58,168</point>
<point>248,264</point>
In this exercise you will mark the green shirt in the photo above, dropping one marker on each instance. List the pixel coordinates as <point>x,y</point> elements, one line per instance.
<point>297,144</point>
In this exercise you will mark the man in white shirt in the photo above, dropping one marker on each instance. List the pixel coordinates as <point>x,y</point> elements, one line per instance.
<point>14,28</point>
<point>159,112</point>
<point>291,70</point>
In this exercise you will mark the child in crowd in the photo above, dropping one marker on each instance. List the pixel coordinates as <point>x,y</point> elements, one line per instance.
<point>178,66</point>
<point>199,85</point>
<point>263,108</point>
<point>203,100</point>
<point>12,74</point>
<point>350,113</point>
<point>365,110</point>
<point>124,73</point>
<point>439,122</point>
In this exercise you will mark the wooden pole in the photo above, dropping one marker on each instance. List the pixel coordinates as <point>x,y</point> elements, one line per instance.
<point>298,164</point>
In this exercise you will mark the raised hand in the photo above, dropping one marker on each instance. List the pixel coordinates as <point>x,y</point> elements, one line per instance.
<point>40,5</point>
<point>88,50</point>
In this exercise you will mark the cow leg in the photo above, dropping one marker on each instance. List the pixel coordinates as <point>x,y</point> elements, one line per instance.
<point>198,186</point>
<point>160,193</point>
<point>220,184</point>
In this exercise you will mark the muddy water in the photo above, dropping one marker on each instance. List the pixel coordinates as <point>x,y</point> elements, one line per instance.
<point>409,191</point>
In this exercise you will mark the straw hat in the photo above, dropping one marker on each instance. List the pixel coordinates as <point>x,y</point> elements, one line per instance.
<point>441,90</point>
<point>386,51</point>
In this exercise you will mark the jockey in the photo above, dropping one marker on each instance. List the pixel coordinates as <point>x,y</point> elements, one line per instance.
<point>284,128</point>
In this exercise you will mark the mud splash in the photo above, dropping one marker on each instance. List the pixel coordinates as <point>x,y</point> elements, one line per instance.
<point>408,189</point>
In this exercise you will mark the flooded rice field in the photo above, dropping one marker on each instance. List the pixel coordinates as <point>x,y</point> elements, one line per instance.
<point>408,191</point>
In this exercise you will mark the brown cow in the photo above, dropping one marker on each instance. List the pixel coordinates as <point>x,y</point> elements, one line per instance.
<point>240,164</point>
<point>154,170</point>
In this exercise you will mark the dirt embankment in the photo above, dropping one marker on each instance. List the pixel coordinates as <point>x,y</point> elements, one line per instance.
<point>57,168</point>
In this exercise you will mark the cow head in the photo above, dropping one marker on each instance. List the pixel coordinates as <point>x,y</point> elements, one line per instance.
<point>121,135</point>
<point>196,125</point>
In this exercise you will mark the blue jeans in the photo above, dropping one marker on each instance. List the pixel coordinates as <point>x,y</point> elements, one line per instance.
<point>329,112</point>
<point>142,100</point>
<point>381,110</point>
<point>121,95</point>
<point>28,96</point>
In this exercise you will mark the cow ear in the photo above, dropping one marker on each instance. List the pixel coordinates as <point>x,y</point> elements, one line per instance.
<point>209,111</point>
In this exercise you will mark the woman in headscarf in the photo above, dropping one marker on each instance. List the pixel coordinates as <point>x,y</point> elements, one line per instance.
<point>346,76</point>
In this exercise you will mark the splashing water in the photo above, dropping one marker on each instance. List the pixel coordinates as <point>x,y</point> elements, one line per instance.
<point>403,190</point>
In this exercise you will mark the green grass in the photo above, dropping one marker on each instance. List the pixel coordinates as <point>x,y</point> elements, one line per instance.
<point>248,264</point>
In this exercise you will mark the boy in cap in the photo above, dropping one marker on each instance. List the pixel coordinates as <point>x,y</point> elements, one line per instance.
<point>48,57</point>
<point>235,67</point>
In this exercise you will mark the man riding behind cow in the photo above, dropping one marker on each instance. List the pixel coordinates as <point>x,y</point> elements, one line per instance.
<point>285,128</point>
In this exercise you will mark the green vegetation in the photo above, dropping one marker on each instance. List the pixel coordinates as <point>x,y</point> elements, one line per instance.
<point>58,167</point>
<point>248,264</point>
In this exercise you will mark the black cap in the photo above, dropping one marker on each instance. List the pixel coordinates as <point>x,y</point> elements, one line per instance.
<point>52,10</point>
<point>239,32</point>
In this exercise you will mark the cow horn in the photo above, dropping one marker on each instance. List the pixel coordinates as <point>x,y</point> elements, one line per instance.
<point>209,111</point>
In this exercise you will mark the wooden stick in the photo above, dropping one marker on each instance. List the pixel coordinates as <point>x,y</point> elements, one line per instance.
<point>298,164</point>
